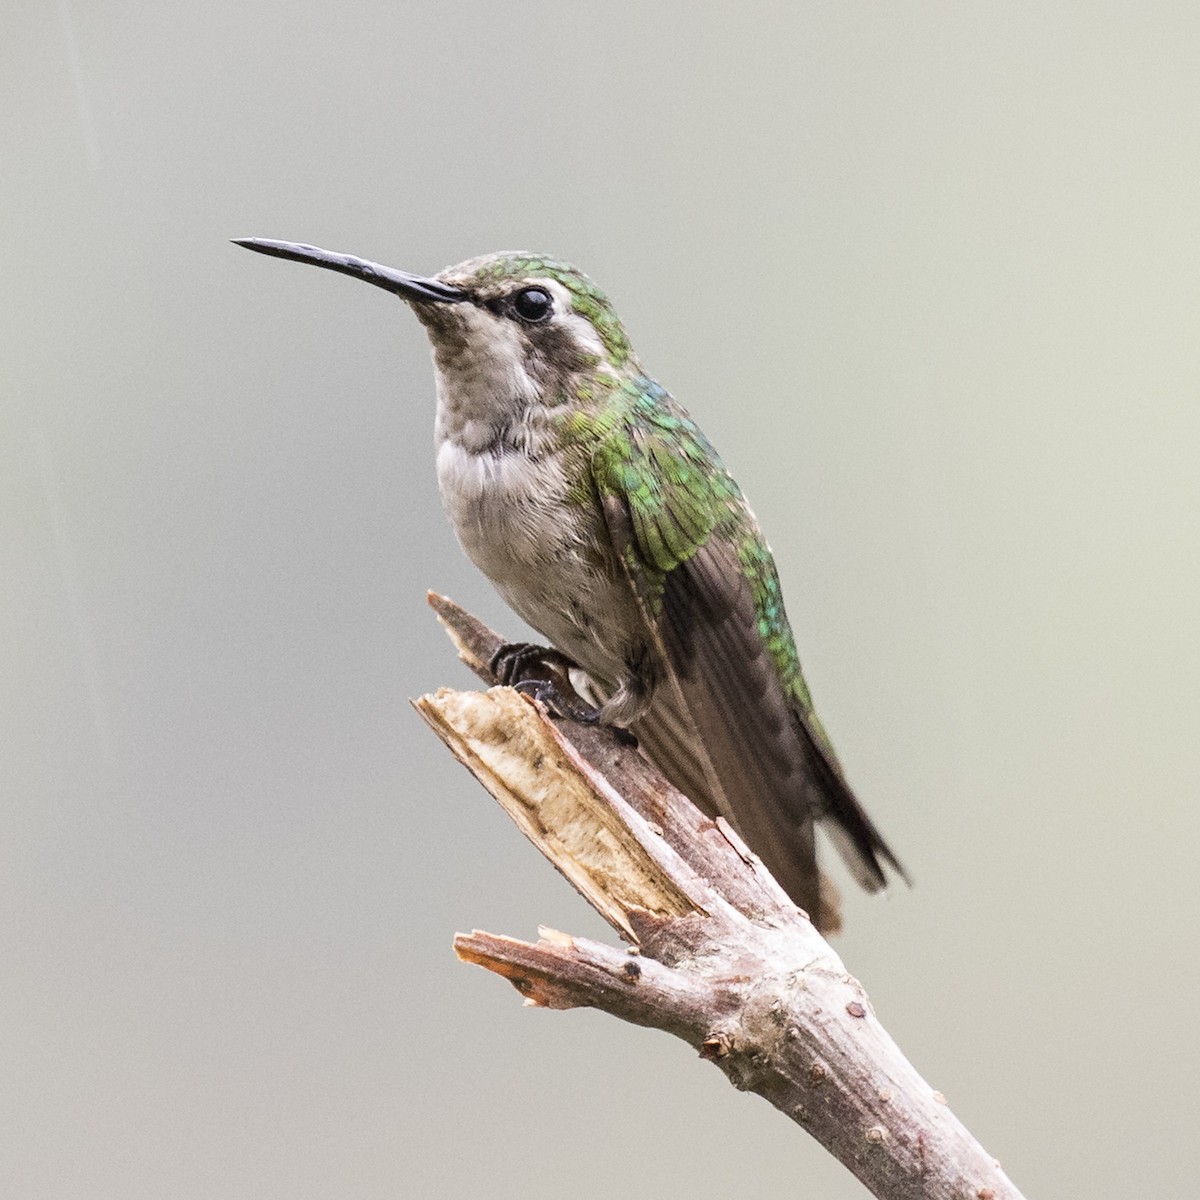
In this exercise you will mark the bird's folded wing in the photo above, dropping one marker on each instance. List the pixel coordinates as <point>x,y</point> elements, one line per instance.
<point>723,725</point>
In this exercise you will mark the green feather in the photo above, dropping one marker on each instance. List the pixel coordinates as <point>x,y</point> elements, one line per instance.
<point>662,467</point>
<point>648,452</point>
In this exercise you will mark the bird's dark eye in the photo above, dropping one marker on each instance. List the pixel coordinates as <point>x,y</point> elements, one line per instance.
<point>533,304</point>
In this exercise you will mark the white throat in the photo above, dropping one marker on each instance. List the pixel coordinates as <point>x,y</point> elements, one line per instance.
<point>483,387</point>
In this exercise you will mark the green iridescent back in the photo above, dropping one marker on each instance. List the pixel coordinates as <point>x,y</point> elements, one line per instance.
<point>647,450</point>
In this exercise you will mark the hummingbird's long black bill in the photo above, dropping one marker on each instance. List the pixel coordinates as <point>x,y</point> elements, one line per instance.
<point>401,283</point>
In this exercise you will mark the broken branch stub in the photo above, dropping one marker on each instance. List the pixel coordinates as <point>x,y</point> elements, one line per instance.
<point>720,955</point>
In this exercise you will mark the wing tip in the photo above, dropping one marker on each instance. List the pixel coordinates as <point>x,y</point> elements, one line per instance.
<point>865,853</point>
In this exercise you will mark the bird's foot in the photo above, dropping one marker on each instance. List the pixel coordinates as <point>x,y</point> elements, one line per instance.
<point>516,662</point>
<point>560,702</point>
<point>545,674</point>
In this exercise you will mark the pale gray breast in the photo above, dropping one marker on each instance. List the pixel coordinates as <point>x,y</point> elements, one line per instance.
<point>547,556</point>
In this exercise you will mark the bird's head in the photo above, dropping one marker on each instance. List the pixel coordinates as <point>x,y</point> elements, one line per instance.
<point>509,331</point>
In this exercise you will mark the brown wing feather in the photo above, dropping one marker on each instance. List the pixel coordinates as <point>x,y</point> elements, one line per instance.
<point>724,731</point>
<point>742,726</point>
<point>710,632</point>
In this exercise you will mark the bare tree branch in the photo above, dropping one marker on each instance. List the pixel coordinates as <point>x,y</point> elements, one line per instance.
<point>718,954</point>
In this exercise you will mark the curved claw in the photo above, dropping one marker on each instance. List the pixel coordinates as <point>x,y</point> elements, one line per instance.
<point>560,703</point>
<point>568,705</point>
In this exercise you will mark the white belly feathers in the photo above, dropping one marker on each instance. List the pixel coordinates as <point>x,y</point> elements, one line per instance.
<point>514,519</point>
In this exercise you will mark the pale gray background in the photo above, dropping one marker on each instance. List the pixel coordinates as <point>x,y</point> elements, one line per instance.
<point>929,275</point>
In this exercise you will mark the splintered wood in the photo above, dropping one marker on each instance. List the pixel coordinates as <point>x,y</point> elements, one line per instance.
<point>567,811</point>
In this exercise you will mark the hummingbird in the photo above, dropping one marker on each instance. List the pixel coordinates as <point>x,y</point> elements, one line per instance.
<point>607,521</point>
